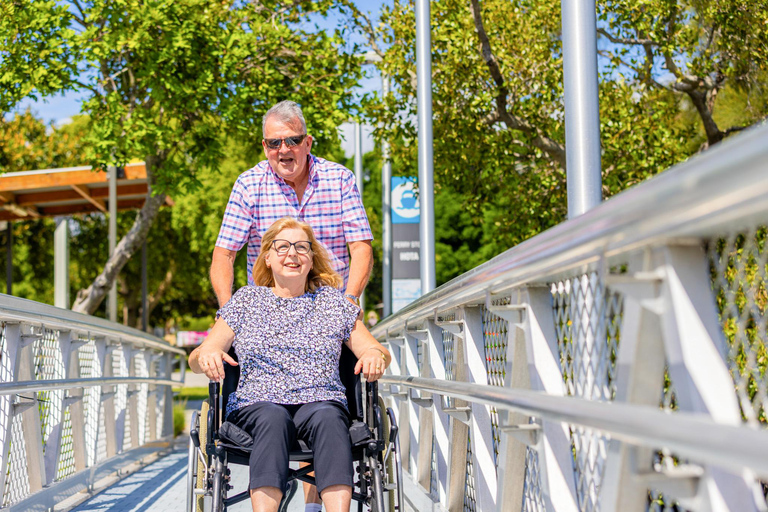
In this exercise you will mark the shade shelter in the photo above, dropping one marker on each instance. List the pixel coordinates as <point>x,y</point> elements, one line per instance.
<point>70,191</point>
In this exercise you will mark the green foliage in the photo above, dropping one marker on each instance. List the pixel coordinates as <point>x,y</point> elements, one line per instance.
<point>179,417</point>
<point>493,171</point>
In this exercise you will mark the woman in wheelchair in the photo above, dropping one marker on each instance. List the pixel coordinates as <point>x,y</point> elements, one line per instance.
<point>287,332</point>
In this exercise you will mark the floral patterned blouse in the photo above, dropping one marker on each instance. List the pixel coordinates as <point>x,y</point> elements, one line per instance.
<point>288,348</point>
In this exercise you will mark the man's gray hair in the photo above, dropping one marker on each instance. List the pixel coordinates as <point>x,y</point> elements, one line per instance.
<point>286,112</point>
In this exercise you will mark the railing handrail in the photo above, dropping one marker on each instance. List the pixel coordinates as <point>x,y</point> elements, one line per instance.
<point>23,310</point>
<point>695,198</point>
<point>686,434</point>
<point>10,388</point>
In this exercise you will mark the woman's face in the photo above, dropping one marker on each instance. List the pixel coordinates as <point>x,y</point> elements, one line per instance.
<point>291,265</point>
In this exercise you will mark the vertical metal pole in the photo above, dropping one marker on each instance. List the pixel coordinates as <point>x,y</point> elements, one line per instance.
<point>9,259</point>
<point>112,299</point>
<point>144,304</point>
<point>359,178</point>
<point>386,235</point>
<point>582,111</point>
<point>359,157</point>
<point>424,114</point>
<point>61,264</point>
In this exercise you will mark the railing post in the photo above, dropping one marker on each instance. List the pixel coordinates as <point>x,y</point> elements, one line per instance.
<point>554,448</point>
<point>75,400</point>
<point>511,466</point>
<point>30,415</point>
<point>695,349</point>
<point>420,418</point>
<point>481,430</point>
<point>441,424</point>
<point>53,443</point>
<point>167,396</point>
<point>104,356</point>
<point>130,353</point>
<point>152,398</point>
<point>459,432</point>
<point>639,374</point>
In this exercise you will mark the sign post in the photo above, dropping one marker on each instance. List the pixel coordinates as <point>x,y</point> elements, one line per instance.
<point>406,267</point>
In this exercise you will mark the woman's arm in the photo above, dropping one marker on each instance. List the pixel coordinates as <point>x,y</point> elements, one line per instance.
<point>209,356</point>
<point>372,357</point>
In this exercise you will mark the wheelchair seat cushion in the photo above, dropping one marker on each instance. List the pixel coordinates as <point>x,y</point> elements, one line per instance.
<point>232,434</point>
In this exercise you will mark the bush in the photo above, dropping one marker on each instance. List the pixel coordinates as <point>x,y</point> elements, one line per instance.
<point>179,418</point>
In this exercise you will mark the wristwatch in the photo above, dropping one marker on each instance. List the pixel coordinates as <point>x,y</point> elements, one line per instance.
<point>354,298</point>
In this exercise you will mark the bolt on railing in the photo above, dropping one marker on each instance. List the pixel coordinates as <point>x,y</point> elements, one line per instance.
<point>79,397</point>
<point>616,362</point>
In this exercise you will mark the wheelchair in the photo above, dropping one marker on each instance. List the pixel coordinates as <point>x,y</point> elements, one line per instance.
<point>214,445</point>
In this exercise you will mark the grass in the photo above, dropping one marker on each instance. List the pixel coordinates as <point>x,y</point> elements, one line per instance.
<point>180,399</point>
<point>191,393</point>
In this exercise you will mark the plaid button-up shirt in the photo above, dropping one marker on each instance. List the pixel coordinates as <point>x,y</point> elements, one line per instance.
<point>331,204</point>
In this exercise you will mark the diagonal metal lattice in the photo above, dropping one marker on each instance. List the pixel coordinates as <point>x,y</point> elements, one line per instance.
<point>470,503</point>
<point>588,322</point>
<point>739,272</point>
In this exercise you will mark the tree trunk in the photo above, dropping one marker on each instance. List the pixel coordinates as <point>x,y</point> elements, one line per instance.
<point>89,299</point>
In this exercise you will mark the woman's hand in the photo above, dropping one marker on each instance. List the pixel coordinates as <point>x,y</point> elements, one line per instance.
<point>372,363</point>
<point>209,357</point>
<point>211,361</point>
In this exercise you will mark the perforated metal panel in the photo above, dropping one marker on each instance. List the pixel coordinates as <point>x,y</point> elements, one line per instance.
<point>495,340</point>
<point>739,271</point>
<point>588,323</point>
<point>532,499</point>
<point>469,483</point>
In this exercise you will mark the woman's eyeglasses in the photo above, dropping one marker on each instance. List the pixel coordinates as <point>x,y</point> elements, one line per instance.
<point>283,246</point>
<point>290,142</point>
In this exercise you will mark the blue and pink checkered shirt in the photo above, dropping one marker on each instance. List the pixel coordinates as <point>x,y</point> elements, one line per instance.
<point>331,204</point>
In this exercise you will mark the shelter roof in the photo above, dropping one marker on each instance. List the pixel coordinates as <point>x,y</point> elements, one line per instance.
<point>69,191</point>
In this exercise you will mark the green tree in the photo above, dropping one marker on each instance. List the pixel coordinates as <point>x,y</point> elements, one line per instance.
<point>498,117</point>
<point>167,79</point>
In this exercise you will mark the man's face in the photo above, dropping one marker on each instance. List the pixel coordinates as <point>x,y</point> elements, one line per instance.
<point>290,163</point>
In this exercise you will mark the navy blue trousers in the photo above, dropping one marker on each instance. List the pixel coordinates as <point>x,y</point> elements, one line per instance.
<point>324,426</point>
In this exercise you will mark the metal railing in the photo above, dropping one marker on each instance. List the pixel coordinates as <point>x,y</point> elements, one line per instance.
<point>80,397</point>
<point>616,362</point>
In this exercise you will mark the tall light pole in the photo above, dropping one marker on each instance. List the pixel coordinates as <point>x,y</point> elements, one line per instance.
<point>359,177</point>
<point>582,110</point>
<point>424,115</point>
<point>386,230</point>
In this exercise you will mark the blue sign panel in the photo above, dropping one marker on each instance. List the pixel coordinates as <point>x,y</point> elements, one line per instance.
<point>405,202</point>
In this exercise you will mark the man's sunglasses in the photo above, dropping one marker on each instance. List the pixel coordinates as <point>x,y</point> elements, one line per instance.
<point>290,142</point>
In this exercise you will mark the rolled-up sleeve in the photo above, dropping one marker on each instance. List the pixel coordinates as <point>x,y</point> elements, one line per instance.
<point>238,217</point>
<point>353,214</point>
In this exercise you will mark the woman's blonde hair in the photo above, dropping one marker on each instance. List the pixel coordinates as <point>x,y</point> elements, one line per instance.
<point>321,274</point>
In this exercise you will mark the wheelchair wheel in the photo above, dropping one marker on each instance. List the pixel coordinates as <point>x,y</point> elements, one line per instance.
<point>219,493</point>
<point>192,466</point>
<point>200,482</point>
<point>393,469</point>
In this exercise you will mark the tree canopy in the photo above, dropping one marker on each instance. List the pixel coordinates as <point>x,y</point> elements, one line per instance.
<point>167,78</point>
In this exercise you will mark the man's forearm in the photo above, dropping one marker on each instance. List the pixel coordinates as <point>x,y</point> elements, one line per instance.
<point>360,267</point>
<point>222,276</point>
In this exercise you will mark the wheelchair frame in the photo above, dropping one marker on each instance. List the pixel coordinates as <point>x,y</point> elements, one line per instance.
<point>378,469</point>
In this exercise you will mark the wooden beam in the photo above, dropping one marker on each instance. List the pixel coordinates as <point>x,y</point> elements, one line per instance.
<point>57,178</point>
<point>39,198</point>
<point>6,197</point>
<point>83,191</point>
<point>138,189</point>
<point>74,209</point>
<point>23,212</point>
